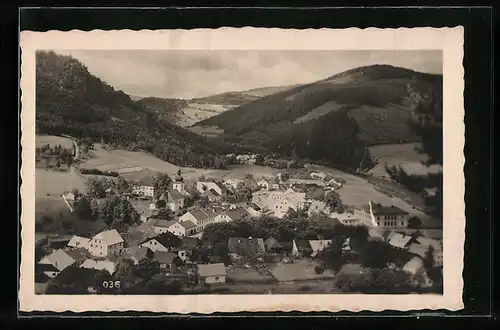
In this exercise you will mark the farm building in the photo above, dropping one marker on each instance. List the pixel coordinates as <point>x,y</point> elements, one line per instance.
<point>212,273</point>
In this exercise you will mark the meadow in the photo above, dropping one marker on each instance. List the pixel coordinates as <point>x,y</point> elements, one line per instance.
<point>405,155</point>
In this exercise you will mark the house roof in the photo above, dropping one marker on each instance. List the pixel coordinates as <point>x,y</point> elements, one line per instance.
<point>140,252</point>
<point>254,206</point>
<point>437,245</point>
<point>146,180</point>
<point>99,265</point>
<point>174,195</point>
<point>59,238</point>
<point>236,214</point>
<point>78,241</point>
<point>164,257</point>
<point>39,268</point>
<point>163,197</point>
<point>213,192</point>
<point>139,234</point>
<point>167,239</point>
<point>187,224</point>
<point>374,233</point>
<point>59,259</point>
<point>77,254</point>
<point>110,237</point>
<point>399,240</point>
<point>433,233</point>
<point>199,215</point>
<point>246,246</point>
<point>378,209</point>
<point>212,270</point>
<point>272,243</point>
<point>413,265</point>
<point>418,249</point>
<point>161,223</point>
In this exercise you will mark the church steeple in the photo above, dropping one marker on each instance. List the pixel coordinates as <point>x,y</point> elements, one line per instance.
<point>178,177</point>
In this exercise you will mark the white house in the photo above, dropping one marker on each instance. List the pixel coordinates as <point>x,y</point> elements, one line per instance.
<point>182,229</point>
<point>212,273</point>
<point>99,265</point>
<point>200,217</point>
<point>160,226</point>
<point>79,242</point>
<point>231,215</point>
<point>422,250</point>
<point>69,196</point>
<point>318,245</point>
<point>145,190</point>
<point>164,242</point>
<point>376,215</point>
<point>415,267</point>
<point>106,243</point>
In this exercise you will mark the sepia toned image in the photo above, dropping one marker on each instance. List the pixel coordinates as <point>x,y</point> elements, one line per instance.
<point>308,177</point>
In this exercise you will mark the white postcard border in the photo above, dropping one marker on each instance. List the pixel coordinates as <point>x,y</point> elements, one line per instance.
<point>449,40</point>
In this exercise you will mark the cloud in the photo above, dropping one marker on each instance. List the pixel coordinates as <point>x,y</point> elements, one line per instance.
<point>189,74</point>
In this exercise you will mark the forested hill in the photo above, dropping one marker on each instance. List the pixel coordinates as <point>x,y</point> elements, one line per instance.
<point>70,100</point>
<point>334,119</point>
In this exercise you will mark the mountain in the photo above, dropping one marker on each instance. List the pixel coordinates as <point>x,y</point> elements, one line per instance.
<point>186,113</point>
<point>70,100</point>
<point>371,100</point>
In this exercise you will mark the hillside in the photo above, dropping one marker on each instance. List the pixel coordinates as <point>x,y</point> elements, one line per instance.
<point>186,113</point>
<point>70,100</point>
<point>375,96</point>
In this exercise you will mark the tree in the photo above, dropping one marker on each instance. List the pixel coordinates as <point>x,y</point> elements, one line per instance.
<point>124,269</point>
<point>332,255</point>
<point>96,188</point>
<point>161,183</point>
<point>75,192</point>
<point>164,214</point>
<point>119,213</point>
<point>333,201</point>
<point>160,204</point>
<point>83,209</point>
<point>122,185</point>
<point>429,258</point>
<point>146,268</point>
<point>319,270</point>
<point>414,222</point>
<point>221,250</point>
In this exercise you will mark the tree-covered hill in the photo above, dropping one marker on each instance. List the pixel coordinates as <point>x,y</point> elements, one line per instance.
<point>70,100</point>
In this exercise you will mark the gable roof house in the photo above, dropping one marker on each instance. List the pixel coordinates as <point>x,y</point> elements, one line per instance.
<point>273,246</point>
<point>233,182</point>
<point>184,228</point>
<point>399,240</point>
<point>211,273</point>
<point>138,253</point>
<point>144,187</point>
<point>167,260</point>
<point>246,247</point>
<point>219,188</point>
<point>106,243</point>
<point>175,200</point>
<point>58,241</point>
<point>163,242</point>
<point>137,235</point>
<point>58,261</point>
<point>160,226</point>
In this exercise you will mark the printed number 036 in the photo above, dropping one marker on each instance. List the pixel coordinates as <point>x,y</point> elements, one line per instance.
<point>111,284</point>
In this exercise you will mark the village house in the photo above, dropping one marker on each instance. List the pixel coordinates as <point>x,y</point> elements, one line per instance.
<point>160,226</point>
<point>107,265</point>
<point>146,214</point>
<point>400,241</point>
<point>246,247</point>
<point>69,196</point>
<point>273,246</point>
<point>212,273</point>
<point>144,187</point>
<point>414,267</point>
<point>175,200</point>
<point>267,184</point>
<point>181,229</point>
<point>138,234</point>
<point>319,183</point>
<point>79,242</point>
<point>106,243</point>
<point>212,195</point>
<point>166,242</point>
<point>167,260</point>
<point>253,209</point>
<point>376,215</point>
<point>200,217</point>
<point>138,253</point>
<point>332,183</point>
<point>231,215</point>
<point>51,265</point>
<point>421,250</point>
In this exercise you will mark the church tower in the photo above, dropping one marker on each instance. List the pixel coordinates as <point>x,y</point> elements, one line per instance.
<point>179,184</point>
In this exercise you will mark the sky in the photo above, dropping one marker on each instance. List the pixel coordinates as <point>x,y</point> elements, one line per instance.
<point>199,73</point>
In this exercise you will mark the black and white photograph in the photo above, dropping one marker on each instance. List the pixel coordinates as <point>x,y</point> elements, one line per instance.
<point>238,172</point>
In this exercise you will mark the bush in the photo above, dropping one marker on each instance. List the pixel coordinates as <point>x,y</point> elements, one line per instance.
<point>95,171</point>
<point>319,270</point>
<point>305,288</point>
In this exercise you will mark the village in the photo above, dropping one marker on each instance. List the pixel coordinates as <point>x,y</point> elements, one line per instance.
<point>238,235</point>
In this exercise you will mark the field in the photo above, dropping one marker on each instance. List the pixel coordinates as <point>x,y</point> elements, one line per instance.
<point>49,185</point>
<point>52,141</point>
<point>300,270</point>
<point>248,275</point>
<point>196,112</point>
<point>400,154</point>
